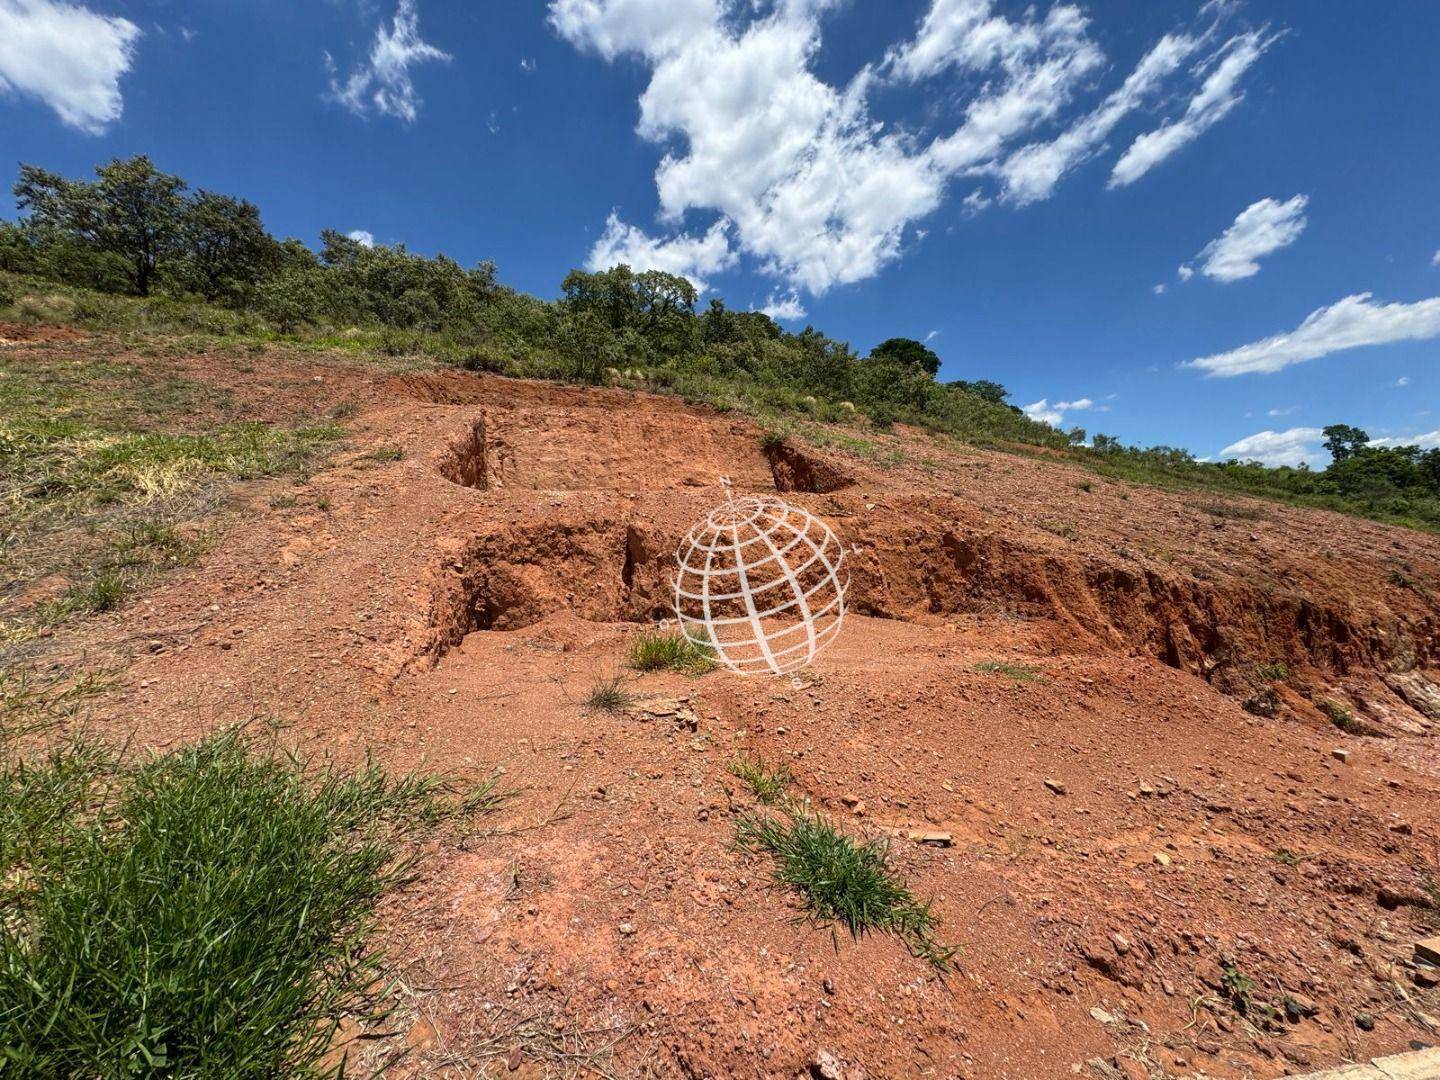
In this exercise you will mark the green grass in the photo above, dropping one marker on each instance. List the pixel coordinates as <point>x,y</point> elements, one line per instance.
<point>205,912</point>
<point>1018,672</point>
<point>1342,717</point>
<point>1289,858</point>
<point>767,783</point>
<point>654,650</point>
<point>104,467</point>
<point>844,881</point>
<point>1274,671</point>
<point>608,694</point>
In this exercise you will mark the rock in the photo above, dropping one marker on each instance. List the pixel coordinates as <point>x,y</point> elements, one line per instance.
<point>1364,1021</point>
<point>1426,977</point>
<point>1162,859</point>
<point>1341,755</point>
<point>626,929</point>
<point>514,1059</point>
<point>931,836</point>
<point>1056,786</point>
<point>1131,1069</point>
<point>1417,691</point>
<point>1427,950</point>
<point>1391,897</point>
<point>1401,828</point>
<point>1101,1016</point>
<point>828,986</point>
<point>826,1066</point>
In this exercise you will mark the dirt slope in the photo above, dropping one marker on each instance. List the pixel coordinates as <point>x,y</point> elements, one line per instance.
<point>453,607</point>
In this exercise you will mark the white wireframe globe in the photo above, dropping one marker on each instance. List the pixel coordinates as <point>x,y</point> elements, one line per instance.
<point>762,584</point>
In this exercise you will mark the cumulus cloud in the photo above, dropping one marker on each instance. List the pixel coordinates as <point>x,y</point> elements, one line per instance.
<point>787,308</point>
<point>383,82</point>
<point>1346,324</point>
<point>818,191</point>
<point>1216,99</point>
<point>68,57</point>
<point>1054,415</point>
<point>362,237</point>
<point>692,257</point>
<point>1260,229</point>
<point>1435,259</point>
<point>1295,446</point>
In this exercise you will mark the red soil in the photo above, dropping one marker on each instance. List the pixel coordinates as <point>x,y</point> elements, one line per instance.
<point>451,610</point>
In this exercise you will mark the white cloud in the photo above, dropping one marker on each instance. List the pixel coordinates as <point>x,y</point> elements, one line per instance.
<point>1435,259</point>
<point>1159,290</point>
<point>1430,440</point>
<point>1294,446</point>
<point>787,307</point>
<point>1403,380</point>
<point>383,81</point>
<point>819,192</point>
<point>68,57</point>
<point>1054,415</point>
<point>527,65</point>
<point>1216,98</point>
<point>1031,173</point>
<point>1185,273</point>
<point>691,257</point>
<point>931,336</point>
<point>1281,412</point>
<point>1260,229</point>
<point>1346,324</point>
<point>362,237</point>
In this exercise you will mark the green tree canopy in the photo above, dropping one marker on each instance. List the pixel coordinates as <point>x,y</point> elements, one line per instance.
<point>907,351</point>
<point>1344,440</point>
<point>131,210</point>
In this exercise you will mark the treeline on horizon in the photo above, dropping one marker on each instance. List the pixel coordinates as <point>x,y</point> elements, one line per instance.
<point>203,261</point>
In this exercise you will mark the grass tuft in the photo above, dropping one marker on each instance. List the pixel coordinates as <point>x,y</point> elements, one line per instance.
<point>1274,671</point>
<point>844,880</point>
<point>609,694</point>
<point>653,650</point>
<point>1018,672</point>
<point>768,784</point>
<point>204,912</point>
<point>1342,717</point>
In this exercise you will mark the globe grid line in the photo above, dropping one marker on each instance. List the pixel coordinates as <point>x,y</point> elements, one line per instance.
<point>729,537</point>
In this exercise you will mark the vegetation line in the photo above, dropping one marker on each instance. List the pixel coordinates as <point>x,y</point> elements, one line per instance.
<point>202,263</point>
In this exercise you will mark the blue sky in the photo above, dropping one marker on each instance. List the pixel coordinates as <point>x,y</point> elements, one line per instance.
<point>1013,183</point>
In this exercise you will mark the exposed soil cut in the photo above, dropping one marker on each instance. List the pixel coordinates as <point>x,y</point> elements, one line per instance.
<point>798,470</point>
<point>1119,716</point>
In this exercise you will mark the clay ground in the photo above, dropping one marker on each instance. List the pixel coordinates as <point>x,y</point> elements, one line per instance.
<point>448,603</point>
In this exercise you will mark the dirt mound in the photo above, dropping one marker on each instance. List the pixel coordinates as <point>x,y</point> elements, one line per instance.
<point>1139,733</point>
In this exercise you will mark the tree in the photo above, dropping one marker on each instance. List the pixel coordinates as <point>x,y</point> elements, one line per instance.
<point>131,210</point>
<point>992,392</point>
<point>907,351</point>
<point>226,249</point>
<point>1344,440</point>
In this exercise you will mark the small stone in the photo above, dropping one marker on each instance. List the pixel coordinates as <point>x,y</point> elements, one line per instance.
<point>1365,1022</point>
<point>1341,755</point>
<point>1056,786</point>
<point>514,1059</point>
<point>1161,858</point>
<point>1401,828</point>
<point>826,1066</point>
<point>1101,1016</point>
<point>931,836</point>
<point>626,929</point>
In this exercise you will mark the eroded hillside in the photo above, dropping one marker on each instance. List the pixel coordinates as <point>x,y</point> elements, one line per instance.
<point>1166,762</point>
